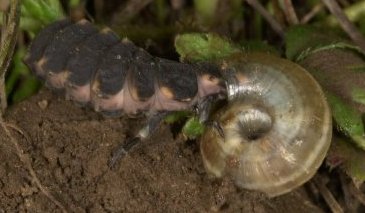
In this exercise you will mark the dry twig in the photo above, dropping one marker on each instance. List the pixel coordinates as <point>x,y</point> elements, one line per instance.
<point>269,18</point>
<point>314,11</point>
<point>288,9</point>
<point>327,195</point>
<point>357,193</point>
<point>130,10</point>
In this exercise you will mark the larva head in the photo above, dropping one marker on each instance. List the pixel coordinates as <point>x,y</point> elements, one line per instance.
<point>276,126</point>
<point>209,79</point>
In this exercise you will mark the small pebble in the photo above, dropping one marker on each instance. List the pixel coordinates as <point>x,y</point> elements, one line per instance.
<point>43,104</point>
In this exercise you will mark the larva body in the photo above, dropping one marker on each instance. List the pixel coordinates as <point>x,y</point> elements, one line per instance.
<point>114,75</point>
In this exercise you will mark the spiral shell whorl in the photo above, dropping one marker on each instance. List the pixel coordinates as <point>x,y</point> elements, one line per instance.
<point>277,126</point>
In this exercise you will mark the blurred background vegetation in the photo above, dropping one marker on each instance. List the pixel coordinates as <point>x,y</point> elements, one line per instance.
<point>295,29</point>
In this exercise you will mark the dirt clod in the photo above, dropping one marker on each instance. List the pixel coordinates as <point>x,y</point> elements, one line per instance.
<point>69,148</point>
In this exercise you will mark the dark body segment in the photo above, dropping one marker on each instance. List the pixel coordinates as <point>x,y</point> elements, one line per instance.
<point>120,84</point>
<point>115,76</point>
<point>61,48</point>
<point>40,43</point>
<point>83,64</point>
<point>85,60</point>
<point>114,67</point>
<point>211,69</point>
<point>64,44</point>
<point>177,79</point>
<point>142,80</point>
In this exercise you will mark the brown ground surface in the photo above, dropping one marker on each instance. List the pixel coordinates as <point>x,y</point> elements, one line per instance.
<point>68,148</point>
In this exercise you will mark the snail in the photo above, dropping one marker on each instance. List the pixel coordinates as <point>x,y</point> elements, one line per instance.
<point>275,130</point>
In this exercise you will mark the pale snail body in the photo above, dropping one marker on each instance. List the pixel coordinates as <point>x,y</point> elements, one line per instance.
<point>276,127</point>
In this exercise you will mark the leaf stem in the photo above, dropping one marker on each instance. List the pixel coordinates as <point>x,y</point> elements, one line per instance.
<point>8,41</point>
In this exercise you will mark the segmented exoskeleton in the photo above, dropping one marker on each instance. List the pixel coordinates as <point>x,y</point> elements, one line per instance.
<point>114,76</point>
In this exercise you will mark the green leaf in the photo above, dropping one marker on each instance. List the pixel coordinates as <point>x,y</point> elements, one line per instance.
<point>203,47</point>
<point>18,70</point>
<point>20,83</point>
<point>27,88</point>
<point>193,128</point>
<point>338,45</point>
<point>347,119</point>
<point>357,68</point>
<point>348,157</point>
<point>304,38</point>
<point>337,65</point>
<point>259,46</point>
<point>45,11</point>
<point>358,95</point>
<point>206,9</point>
<point>177,116</point>
<point>74,3</point>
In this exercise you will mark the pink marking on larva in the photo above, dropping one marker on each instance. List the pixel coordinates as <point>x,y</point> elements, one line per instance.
<point>78,93</point>
<point>38,70</point>
<point>108,103</point>
<point>163,102</point>
<point>123,100</point>
<point>58,80</point>
<point>208,85</point>
<point>131,105</point>
<point>160,101</point>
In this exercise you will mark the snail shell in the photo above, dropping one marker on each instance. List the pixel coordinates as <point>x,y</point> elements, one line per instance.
<point>276,129</point>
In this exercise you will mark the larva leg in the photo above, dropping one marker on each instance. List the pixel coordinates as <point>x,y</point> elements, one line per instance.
<point>205,105</point>
<point>217,126</point>
<point>152,124</point>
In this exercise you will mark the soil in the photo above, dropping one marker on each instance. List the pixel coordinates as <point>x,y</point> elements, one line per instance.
<point>68,147</point>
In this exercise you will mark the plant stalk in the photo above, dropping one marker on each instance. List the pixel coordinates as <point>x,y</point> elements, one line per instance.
<point>8,41</point>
